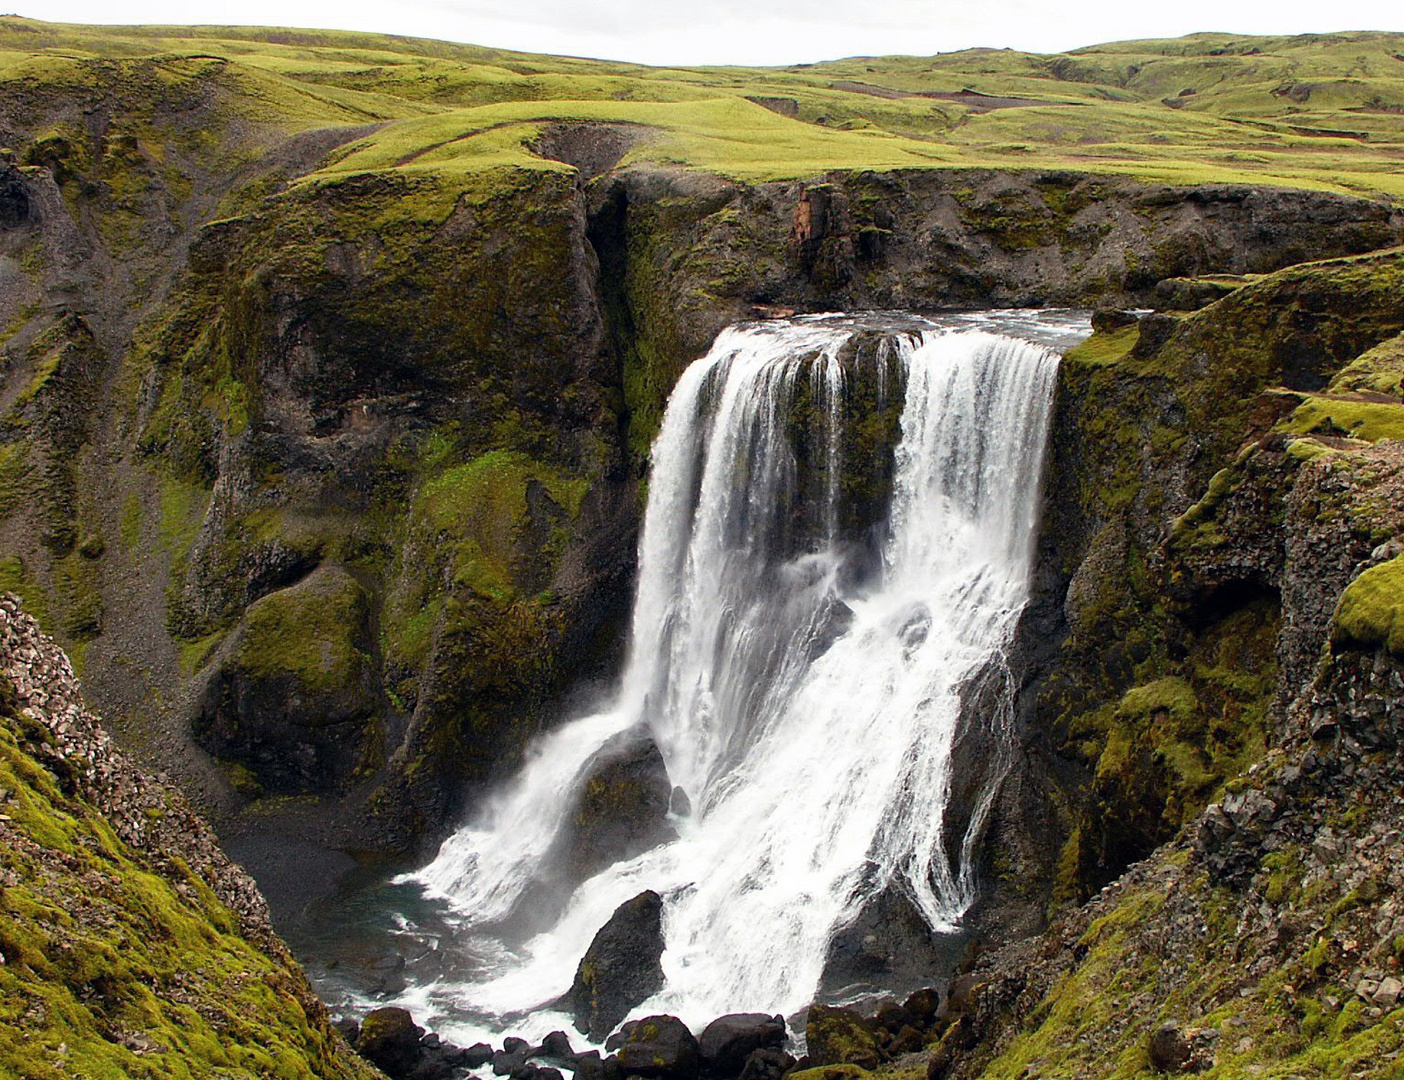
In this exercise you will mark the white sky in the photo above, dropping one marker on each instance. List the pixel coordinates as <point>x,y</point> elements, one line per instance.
<point>752,31</point>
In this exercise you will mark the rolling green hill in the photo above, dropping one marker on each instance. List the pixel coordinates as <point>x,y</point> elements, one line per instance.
<point>1314,111</point>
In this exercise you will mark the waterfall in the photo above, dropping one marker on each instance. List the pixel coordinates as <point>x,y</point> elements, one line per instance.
<point>808,710</point>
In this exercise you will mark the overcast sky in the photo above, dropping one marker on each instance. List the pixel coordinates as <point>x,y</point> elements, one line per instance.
<point>751,32</point>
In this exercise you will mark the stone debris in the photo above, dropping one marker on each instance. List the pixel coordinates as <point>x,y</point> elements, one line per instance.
<point>147,814</point>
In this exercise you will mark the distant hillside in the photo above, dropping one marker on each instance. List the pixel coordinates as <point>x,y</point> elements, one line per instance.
<point>1315,111</point>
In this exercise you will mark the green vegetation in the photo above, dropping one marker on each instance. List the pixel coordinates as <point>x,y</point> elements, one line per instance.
<point>1367,420</point>
<point>1371,611</point>
<point>14,578</point>
<point>1319,111</point>
<point>308,632</point>
<point>120,964</point>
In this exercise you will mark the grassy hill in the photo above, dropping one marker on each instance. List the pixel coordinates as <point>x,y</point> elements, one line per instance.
<point>1313,111</point>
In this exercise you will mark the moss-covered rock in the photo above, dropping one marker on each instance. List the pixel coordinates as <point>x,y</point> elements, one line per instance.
<point>1371,612</point>
<point>292,699</point>
<point>837,1036</point>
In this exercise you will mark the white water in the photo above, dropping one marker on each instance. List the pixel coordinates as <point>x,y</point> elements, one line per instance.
<point>810,723</point>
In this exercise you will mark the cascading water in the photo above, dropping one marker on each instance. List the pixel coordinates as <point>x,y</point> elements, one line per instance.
<point>808,711</point>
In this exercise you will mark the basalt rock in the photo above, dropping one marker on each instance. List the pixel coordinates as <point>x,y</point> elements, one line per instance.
<point>837,1036</point>
<point>728,1041</point>
<point>389,1039</point>
<point>657,1046</point>
<point>622,810</point>
<point>621,968</point>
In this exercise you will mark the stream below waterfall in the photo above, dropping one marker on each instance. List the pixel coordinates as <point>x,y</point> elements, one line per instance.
<point>837,545</point>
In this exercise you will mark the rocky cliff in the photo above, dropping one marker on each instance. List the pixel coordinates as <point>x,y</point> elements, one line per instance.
<point>129,943</point>
<point>347,476</point>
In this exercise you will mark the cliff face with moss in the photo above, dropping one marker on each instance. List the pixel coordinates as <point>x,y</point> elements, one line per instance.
<point>322,446</point>
<point>330,369</point>
<point>131,945</point>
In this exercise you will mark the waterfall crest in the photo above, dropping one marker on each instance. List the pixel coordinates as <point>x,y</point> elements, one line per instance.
<point>808,712</point>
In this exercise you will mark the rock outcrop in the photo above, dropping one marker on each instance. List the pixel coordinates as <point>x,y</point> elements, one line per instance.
<point>620,969</point>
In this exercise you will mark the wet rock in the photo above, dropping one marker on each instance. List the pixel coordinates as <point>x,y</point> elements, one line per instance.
<point>389,1040</point>
<point>767,1064</point>
<point>622,809</point>
<point>621,969</point>
<point>1168,1049</point>
<point>590,1066</point>
<point>922,1006</point>
<point>1108,319</point>
<point>476,1056</point>
<point>657,1046</point>
<point>837,1036</point>
<point>728,1041</point>
<point>511,1057</point>
<point>556,1047</point>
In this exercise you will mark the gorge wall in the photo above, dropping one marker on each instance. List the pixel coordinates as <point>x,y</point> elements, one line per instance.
<point>332,486</point>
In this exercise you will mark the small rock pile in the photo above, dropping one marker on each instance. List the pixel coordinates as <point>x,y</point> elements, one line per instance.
<point>838,1036</point>
<point>741,1046</point>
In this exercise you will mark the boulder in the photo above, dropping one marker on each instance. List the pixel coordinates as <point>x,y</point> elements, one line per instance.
<point>389,1040</point>
<point>622,810</point>
<point>590,1066</point>
<point>922,1006</point>
<point>1168,1049</point>
<point>621,968</point>
<point>838,1036</point>
<point>892,1017</point>
<point>556,1047</point>
<point>908,1040</point>
<point>657,1046</point>
<point>476,1056</point>
<point>728,1041</point>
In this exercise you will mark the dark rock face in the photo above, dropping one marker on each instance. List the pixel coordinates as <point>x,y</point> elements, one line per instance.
<point>657,1046</point>
<point>389,1039</point>
<point>620,969</point>
<point>291,701</point>
<point>15,206</point>
<point>623,807</point>
<point>728,1041</point>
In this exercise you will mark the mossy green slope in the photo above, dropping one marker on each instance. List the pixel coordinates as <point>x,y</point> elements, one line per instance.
<point>121,961</point>
<point>1317,111</point>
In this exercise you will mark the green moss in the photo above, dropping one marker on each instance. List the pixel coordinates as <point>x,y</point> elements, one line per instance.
<point>1308,449</point>
<point>183,507</point>
<point>1371,611</point>
<point>483,506</point>
<point>114,970</point>
<point>194,653</point>
<point>1105,347</point>
<point>1379,370</point>
<point>309,632</point>
<point>14,476</point>
<point>1367,420</point>
<point>14,578</point>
